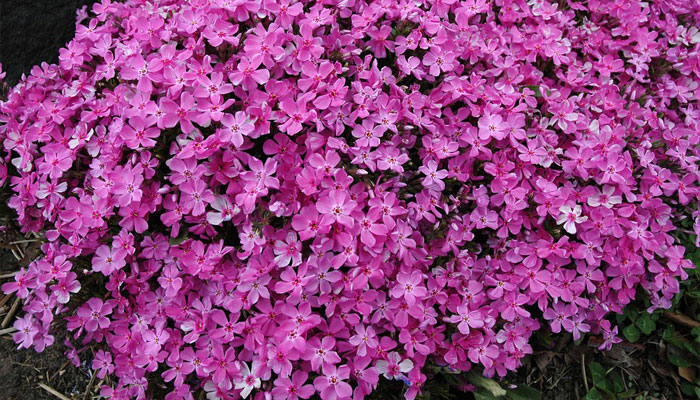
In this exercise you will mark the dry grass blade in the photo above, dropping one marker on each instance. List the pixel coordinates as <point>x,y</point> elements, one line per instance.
<point>24,241</point>
<point>8,317</point>
<point>89,386</point>
<point>53,391</point>
<point>7,330</point>
<point>10,275</point>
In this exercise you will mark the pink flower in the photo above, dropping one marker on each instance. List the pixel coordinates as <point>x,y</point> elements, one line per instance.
<point>183,113</point>
<point>248,74</point>
<point>332,384</point>
<point>237,127</point>
<point>140,132</point>
<point>65,286</point>
<point>288,251</point>
<point>433,176</point>
<point>56,163</point>
<point>102,363</point>
<point>24,280</point>
<point>294,388</point>
<point>308,223</point>
<point>409,287</point>
<point>27,330</point>
<point>95,312</point>
<point>146,72</point>
<point>569,217</point>
<point>467,319</point>
<point>297,114</point>
<point>338,206</point>
<point>320,353</point>
<point>439,61</point>
<point>393,367</point>
<point>196,196</point>
<point>492,126</point>
<point>364,339</point>
<point>107,260</point>
<point>249,380</point>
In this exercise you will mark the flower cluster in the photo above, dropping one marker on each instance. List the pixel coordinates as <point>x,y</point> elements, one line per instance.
<point>280,198</point>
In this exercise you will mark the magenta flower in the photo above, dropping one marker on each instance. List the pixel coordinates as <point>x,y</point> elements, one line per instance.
<point>294,388</point>
<point>65,286</point>
<point>433,176</point>
<point>393,367</point>
<point>467,319</point>
<point>249,380</point>
<point>107,260</point>
<point>439,61</point>
<point>56,163</point>
<point>196,196</point>
<point>297,114</point>
<point>338,206</point>
<point>409,287</point>
<point>332,384</point>
<point>279,189</point>
<point>95,313</point>
<point>24,281</point>
<point>364,339</point>
<point>145,71</point>
<point>102,363</point>
<point>248,74</point>
<point>308,223</point>
<point>492,126</point>
<point>289,251</point>
<point>569,217</point>
<point>140,132</point>
<point>238,126</point>
<point>27,330</point>
<point>182,113</point>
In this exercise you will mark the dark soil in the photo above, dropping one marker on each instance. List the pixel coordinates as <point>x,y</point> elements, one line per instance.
<point>558,373</point>
<point>32,31</point>
<point>22,370</point>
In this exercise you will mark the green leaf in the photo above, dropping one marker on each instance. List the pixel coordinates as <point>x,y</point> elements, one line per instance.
<point>677,360</point>
<point>631,333</point>
<point>669,335</point>
<point>632,313</point>
<point>524,392</point>
<point>689,346</point>
<point>597,372</point>
<point>536,89</point>
<point>489,384</point>
<point>687,388</point>
<point>618,384</point>
<point>176,241</point>
<point>645,324</point>
<point>620,318</point>
<point>594,394</point>
<point>483,394</point>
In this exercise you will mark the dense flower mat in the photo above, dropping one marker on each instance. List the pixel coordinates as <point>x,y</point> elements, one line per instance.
<point>294,197</point>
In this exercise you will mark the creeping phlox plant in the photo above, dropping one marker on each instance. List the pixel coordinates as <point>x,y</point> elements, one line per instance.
<point>279,198</point>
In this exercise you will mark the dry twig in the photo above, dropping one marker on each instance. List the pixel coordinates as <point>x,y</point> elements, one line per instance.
<point>681,319</point>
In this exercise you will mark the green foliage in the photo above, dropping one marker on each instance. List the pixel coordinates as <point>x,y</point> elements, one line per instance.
<point>607,384</point>
<point>489,389</point>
